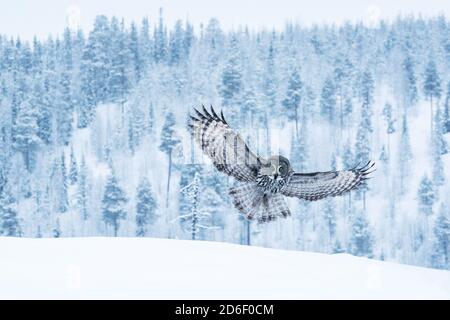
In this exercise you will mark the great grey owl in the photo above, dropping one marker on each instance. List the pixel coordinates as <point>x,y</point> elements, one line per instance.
<point>263,183</point>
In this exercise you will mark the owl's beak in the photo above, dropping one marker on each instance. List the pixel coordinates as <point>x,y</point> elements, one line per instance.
<point>275,176</point>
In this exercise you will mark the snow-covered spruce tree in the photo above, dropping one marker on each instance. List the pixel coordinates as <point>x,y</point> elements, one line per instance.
<point>64,117</point>
<point>113,203</point>
<point>188,39</point>
<point>97,57</point>
<point>42,99</point>
<point>270,83</point>
<point>25,134</point>
<point>410,82</point>
<point>73,171</point>
<point>362,148</point>
<point>439,142</point>
<point>440,256</point>
<point>151,120</point>
<point>328,100</point>
<point>431,86</point>
<point>67,55</point>
<point>366,89</point>
<point>342,76</point>
<point>187,173</point>
<point>145,45</point>
<point>160,50</point>
<point>348,159</point>
<point>169,141</point>
<point>214,201</point>
<point>63,199</point>
<point>446,116</point>
<point>361,242</point>
<point>86,108</point>
<point>347,111</point>
<point>230,86</point>
<point>176,44</point>
<point>43,209</point>
<point>95,70</point>
<point>390,121</point>
<point>426,196</point>
<point>197,219</point>
<point>145,208</point>
<point>330,219</point>
<point>439,148</point>
<point>299,152</point>
<point>119,77</point>
<point>135,59</point>
<point>136,128</point>
<point>292,99</point>
<point>83,191</point>
<point>251,113</point>
<point>9,222</point>
<point>404,157</point>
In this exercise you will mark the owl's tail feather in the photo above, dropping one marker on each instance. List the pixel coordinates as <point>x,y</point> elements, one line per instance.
<point>254,204</point>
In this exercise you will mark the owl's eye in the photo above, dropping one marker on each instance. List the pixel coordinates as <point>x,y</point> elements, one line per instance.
<point>282,170</point>
<point>274,169</point>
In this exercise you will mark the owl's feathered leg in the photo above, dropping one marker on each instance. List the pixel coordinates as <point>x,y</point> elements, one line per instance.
<point>254,204</point>
<point>246,198</point>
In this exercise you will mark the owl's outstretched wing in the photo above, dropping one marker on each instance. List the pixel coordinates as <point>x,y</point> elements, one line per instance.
<point>318,185</point>
<point>227,150</point>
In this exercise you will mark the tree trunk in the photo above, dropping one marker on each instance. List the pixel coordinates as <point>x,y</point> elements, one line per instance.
<point>167,195</point>
<point>431,116</point>
<point>168,179</point>
<point>116,228</point>
<point>364,201</point>
<point>248,232</point>
<point>192,149</point>
<point>27,159</point>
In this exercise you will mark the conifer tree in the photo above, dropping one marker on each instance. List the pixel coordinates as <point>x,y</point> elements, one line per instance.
<point>328,100</point>
<point>113,203</point>
<point>293,98</point>
<point>145,208</point>
<point>73,173</point>
<point>426,196</point>
<point>361,239</point>
<point>169,141</point>
<point>440,256</point>
<point>83,190</point>
<point>431,86</point>
<point>25,134</point>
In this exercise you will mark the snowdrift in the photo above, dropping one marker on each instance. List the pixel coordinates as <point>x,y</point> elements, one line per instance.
<point>131,268</point>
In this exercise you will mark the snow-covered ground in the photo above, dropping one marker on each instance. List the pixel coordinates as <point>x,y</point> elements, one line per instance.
<point>131,268</point>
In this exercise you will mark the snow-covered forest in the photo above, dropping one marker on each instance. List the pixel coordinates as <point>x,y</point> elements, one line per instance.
<point>94,138</point>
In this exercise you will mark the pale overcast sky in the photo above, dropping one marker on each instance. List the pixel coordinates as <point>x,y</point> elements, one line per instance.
<point>42,17</point>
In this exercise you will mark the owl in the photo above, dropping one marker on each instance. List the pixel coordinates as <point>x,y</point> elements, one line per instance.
<point>262,184</point>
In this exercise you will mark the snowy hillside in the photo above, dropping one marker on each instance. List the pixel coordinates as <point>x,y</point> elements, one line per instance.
<point>154,268</point>
<point>94,139</point>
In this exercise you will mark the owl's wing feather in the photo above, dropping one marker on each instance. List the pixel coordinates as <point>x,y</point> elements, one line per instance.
<point>227,150</point>
<point>318,185</point>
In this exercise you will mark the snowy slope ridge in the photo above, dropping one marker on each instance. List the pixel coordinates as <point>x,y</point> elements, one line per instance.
<point>140,268</point>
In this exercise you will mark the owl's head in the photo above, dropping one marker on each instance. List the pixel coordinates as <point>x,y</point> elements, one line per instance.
<point>277,167</point>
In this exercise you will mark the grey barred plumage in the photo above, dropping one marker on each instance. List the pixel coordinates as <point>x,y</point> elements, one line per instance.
<point>262,183</point>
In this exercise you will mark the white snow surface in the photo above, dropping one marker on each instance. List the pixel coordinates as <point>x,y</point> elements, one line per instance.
<point>145,268</point>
